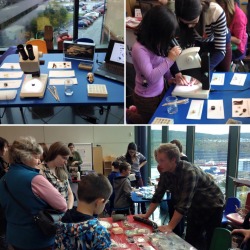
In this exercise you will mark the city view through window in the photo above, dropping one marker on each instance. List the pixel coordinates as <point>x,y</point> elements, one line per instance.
<point>22,20</point>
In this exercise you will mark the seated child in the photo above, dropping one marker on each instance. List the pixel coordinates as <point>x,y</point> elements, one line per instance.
<point>115,173</point>
<point>123,189</point>
<point>79,229</point>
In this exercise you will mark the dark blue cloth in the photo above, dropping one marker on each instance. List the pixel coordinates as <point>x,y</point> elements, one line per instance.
<point>19,222</point>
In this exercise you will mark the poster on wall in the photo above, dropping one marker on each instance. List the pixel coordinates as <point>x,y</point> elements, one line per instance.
<point>86,152</point>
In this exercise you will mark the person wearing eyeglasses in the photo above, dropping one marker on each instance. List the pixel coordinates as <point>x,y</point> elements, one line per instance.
<point>203,24</point>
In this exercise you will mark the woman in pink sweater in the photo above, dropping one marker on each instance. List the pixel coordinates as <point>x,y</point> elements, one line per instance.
<point>152,59</point>
<point>236,22</point>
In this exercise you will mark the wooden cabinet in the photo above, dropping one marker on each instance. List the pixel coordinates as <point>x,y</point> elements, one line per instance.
<point>107,165</point>
<point>98,159</point>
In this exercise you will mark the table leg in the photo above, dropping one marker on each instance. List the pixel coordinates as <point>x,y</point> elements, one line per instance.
<point>22,114</point>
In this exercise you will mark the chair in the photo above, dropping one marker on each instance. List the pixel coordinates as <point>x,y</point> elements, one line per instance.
<point>231,204</point>
<point>84,40</point>
<point>41,44</point>
<point>221,239</point>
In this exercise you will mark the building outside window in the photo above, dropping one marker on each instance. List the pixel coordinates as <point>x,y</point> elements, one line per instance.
<point>22,20</point>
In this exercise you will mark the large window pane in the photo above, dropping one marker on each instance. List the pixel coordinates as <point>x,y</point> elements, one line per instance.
<point>175,132</point>
<point>210,153</point>
<point>22,20</point>
<point>244,162</point>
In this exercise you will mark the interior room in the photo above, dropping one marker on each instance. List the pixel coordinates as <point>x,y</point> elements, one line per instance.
<point>191,87</point>
<point>219,152</point>
<point>43,44</point>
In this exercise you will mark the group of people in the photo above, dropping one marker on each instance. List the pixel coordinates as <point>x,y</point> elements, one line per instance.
<point>212,26</point>
<point>44,185</point>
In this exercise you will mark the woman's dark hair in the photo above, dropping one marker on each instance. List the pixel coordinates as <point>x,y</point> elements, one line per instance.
<point>131,146</point>
<point>3,143</point>
<point>156,30</point>
<point>189,10</point>
<point>57,148</point>
<point>71,144</point>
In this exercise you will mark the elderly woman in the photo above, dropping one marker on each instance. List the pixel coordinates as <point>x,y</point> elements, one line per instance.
<point>54,169</point>
<point>33,191</point>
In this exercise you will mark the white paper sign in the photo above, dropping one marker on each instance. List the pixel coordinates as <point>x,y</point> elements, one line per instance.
<point>240,107</point>
<point>11,66</point>
<point>10,84</point>
<point>195,109</point>
<point>60,81</point>
<point>215,109</point>
<point>59,65</point>
<point>61,73</point>
<point>238,79</point>
<point>218,79</point>
<point>11,74</point>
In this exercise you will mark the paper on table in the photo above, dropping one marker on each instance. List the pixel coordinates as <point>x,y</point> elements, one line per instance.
<point>195,109</point>
<point>241,181</point>
<point>161,120</point>
<point>10,84</point>
<point>218,79</point>
<point>11,74</point>
<point>61,73</point>
<point>240,107</point>
<point>59,65</point>
<point>11,66</point>
<point>217,112</point>
<point>56,81</point>
<point>238,79</point>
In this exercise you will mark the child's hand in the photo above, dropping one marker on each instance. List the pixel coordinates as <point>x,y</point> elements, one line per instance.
<point>174,53</point>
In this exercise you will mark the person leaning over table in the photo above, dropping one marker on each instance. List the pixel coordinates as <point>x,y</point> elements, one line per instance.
<point>203,24</point>
<point>4,145</point>
<point>33,191</point>
<point>196,195</point>
<point>54,169</point>
<point>152,59</point>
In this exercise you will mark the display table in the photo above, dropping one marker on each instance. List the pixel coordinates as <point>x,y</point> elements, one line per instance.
<point>80,96</point>
<point>225,93</point>
<point>155,240</point>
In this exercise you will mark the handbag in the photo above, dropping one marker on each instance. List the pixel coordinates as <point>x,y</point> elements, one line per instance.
<point>43,219</point>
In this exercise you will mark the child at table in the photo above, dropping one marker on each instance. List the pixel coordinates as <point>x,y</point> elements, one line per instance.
<point>122,189</point>
<point>79,229</point>
<point>115,173</point>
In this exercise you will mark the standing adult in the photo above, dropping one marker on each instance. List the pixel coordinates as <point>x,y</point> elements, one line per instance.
<point>203,24</point>
<point>196,196</point>
<point>54,169</point>
<point>237,24</point>
<point>75,159</point>
<point>33,191</point>
<point>137,161</point>
<point>3,169</point>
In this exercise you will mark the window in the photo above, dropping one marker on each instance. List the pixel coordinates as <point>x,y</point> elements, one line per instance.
<point>22,20</point>
<point>175,132</point>
<point>244,162</point>
<point>210,153</point>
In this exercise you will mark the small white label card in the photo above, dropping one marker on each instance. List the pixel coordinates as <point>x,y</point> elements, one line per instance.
<point>218,79</point>
<point>59,65</point>
<point>215,109</point>
<point>61,73</point>
<point>11,66</point>
<point>238,79</point>
<point>11,74</point>
<point>161,120</point>
<point>195,109</point>
<point>56,81</point>
<point>240,107</point>
<point>138,13</point>
<point>10,84</point>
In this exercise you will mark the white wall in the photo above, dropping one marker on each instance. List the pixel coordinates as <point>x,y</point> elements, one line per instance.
<point>113,139</point>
